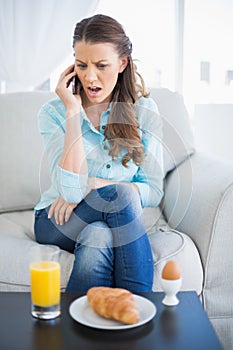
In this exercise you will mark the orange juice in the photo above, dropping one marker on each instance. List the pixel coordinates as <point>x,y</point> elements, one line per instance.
<point>45,283</point>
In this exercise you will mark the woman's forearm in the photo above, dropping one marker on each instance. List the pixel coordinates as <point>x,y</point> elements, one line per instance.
<point>73,157</point>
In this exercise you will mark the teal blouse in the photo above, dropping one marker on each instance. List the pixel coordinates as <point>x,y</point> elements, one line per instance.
<point>71,186</point>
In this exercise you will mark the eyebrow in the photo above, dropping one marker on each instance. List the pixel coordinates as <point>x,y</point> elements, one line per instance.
<point>100,61</point>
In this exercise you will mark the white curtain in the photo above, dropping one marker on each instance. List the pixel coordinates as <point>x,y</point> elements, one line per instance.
<point>35,37</point>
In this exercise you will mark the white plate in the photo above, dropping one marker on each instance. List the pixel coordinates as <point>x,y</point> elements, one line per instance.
<point>81,311</point>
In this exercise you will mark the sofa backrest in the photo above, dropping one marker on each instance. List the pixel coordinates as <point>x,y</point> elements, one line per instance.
<point>21,149</point>
<point>24,171</point>
<point>178,139</point>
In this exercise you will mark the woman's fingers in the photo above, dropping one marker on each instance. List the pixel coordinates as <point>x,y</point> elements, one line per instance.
<point>67,78</point>
<point>66,94</point>
<point>61,210</point>
<point>67,72</point>
<point>51,210</point>
<point>69,211</point>
<point>61,214</point>
<point>56,210</point>
<point>69,69</point>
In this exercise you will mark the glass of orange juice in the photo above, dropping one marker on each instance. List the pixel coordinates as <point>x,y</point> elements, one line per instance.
<point>45,281</point>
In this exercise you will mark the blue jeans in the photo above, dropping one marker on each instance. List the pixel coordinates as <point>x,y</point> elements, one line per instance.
<point>106,233</point>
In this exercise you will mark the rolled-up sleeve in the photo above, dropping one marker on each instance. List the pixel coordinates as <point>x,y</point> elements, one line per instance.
<point>71,186</point>
<point>68,185</point>
<point>150,174</point>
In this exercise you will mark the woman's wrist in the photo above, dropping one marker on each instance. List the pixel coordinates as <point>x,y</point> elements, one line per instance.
<point>74,112</point>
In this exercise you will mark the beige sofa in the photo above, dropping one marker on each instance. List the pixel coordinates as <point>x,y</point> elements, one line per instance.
<point>193,226</point>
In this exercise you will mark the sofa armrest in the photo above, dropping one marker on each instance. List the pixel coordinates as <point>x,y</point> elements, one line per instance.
<point>199,202</point>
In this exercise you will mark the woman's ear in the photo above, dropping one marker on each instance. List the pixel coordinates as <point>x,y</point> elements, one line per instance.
<point>123,64</point>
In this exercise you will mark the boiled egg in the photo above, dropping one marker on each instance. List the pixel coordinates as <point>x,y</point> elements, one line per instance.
<point>171,271</point>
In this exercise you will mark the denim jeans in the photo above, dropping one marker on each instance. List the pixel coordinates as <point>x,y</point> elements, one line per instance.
<point>107,235</point>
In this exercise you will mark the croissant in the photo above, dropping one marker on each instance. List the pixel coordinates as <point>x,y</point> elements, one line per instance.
<point>114,303</point>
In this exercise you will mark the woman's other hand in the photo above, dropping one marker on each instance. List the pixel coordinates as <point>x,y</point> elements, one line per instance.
<point>61,210</point>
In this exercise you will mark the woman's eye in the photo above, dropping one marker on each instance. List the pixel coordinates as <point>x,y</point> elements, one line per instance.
<point>81,66</point>
<point>102,66</point>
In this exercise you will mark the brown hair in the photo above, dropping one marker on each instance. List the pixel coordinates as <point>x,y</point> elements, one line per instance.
<point>122,129</point>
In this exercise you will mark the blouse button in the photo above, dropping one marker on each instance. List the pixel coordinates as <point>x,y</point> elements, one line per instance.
<point>103,127</point>
<point>108,166</point>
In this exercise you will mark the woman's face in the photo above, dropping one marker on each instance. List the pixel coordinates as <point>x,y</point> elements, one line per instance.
<point>97,67</point>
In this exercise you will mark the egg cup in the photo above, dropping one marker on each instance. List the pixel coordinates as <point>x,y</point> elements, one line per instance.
<point>171,287</point>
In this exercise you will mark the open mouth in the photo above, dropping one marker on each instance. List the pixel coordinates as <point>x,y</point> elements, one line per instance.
<point>94,89</point>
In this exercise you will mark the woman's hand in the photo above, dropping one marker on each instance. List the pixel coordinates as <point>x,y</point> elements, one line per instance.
<point>61,210</point>
<point>71,101</point>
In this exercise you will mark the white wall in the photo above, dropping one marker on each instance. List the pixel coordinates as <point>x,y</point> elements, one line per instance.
<point>213,128</point>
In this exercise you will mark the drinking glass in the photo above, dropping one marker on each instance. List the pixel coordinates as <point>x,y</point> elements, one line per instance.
<point>45,281</point>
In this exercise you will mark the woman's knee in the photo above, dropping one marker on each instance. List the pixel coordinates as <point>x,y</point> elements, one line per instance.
<point>96,235</point>
<point>121,195</point>
<point>127,193</point>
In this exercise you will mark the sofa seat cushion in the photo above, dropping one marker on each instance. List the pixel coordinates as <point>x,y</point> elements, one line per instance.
<point>14,262</point>
<point>16,240</point>
<point>17,224</point>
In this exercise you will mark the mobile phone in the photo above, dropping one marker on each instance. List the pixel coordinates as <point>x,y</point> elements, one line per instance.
<point>76,85</point>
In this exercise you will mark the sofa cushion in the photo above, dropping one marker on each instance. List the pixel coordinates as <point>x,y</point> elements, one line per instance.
<point>178,139</point>
<point>14,262</point>
<point>18,224</point>
<point>21,149</point>
<point>16,239</point>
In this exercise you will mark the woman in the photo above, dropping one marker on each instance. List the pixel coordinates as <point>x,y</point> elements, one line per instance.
<point>105,158</point>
